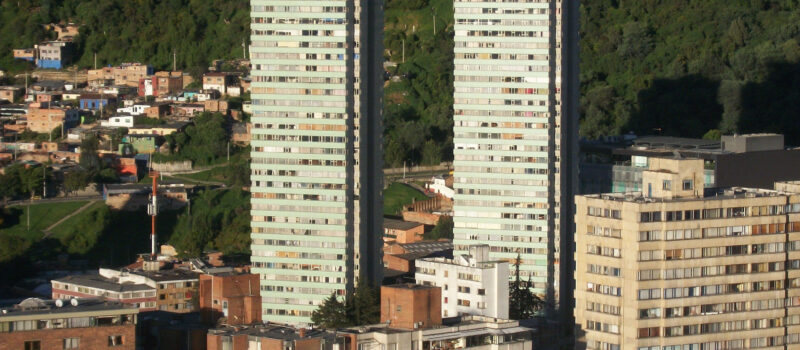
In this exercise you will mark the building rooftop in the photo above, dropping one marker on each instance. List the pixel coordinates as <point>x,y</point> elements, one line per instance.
<point>35,306</point>
<point>409,286</point>
<point>269,331</point>
<point>100,282</point>
<point>427,246</point>
<point>709,194</point>
<point>168,275</point>
<point>400,224</point>
<point>670,142</point>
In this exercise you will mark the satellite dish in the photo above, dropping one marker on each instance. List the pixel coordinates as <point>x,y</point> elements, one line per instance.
<point>59,302</point>
<point>74,302</point>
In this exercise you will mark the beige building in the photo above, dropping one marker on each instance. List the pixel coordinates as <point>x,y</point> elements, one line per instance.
<point>672,268</point>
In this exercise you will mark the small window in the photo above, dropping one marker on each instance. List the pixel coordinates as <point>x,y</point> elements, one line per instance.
<point>115,340</point>
<point>71,343</point>
<point>33,345</point>
<point>667,185</point>
<point>688,185</point>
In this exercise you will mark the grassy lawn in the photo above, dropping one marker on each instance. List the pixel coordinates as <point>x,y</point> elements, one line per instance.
<point>397,195</point>
<point>42,216</point>
<point>66,226</point>
<point>213,175</point>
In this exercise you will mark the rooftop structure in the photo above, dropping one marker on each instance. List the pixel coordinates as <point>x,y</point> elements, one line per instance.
<point>471,284</point>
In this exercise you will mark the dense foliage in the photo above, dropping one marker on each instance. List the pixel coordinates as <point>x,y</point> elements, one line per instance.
<point>522,303</point>
<point>442,230</point>
<point>202,143</point>
<point>218,219</point>
<point>360,308</point>
<point>197,31</point>
<point>682,67</point>
<point>418,101</point>
<point>21,181</point>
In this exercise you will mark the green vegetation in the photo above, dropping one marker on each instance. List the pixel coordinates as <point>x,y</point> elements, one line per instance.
<point>522,303</point>
<point>443,229</point>
<point>203,143</point>
<point>79,234</point>
<point>219,219</point>
<point>22,181</point>
<point>418,110</point>
<point>360,308</point>
<point>124,31</point>
<point>43,215</point>
<point>683,68</point>
<point>397,195</point>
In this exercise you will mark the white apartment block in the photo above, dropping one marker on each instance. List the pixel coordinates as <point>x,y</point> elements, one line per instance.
<point>515,136</point>
<point>316,151</point>
<point>471,284</point>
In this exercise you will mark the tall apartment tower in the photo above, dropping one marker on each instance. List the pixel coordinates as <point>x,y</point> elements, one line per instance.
<point>677,267</point>
<point>316,151</point>
<point>515,113</point>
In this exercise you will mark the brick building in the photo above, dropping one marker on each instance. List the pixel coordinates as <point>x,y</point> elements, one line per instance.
<point>35,324</point>
<point>138,295</point>
<point>232,298</point>
<point>402,231</point>
<point>44,120</point>
<point>268,337</point>
<point>411,306</point>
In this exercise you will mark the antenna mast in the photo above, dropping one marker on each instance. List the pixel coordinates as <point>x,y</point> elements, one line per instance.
<point>152,210</point>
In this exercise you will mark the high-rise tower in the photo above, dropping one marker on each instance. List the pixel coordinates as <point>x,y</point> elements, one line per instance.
<point>316,151</point>
<point>515,111</point>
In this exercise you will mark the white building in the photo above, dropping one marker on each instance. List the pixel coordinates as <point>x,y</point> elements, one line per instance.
<point>439,185</point>
<point>471,284</point>
<point>120,121</point>
<point>136,109</point>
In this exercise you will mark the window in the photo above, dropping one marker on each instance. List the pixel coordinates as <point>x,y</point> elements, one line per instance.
<point>649,332</point>
<point>666,185</point>
<point>33,345</point>
<point>71,343</point>
<point>115,340</point>
<point>688,185</point>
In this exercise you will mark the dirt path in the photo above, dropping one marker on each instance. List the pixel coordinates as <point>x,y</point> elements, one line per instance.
<point>59,222</point>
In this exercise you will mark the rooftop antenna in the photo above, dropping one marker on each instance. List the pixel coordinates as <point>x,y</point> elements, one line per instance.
<point>152,210</point>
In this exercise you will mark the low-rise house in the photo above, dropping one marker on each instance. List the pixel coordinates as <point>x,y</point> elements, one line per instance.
<point>37,324</point>
<point>218,81</point>
<point>220,106</point>
<point>131,73</point>
<point>187,109</point>
<point>96,101</point>
<point>10,93</point>
<point>442,185</point>
<point>161,84</point>
<point>401,257</point>
<point>402,231</point>
<point>68,30</point>
<point>54,54</point>
<point>25,54</point>
<point>165,129</point>
<point>44,120</point>
<point>206,95</point>
<point>119,121</point>
<point>241,133</point>
<point>100,77</point>
<point>134,293</point>
<point>146,144</point>
<point>13,110</point>
<point>471,284</point>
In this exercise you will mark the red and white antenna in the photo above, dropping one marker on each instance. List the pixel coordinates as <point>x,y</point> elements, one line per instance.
<point>152,210</point>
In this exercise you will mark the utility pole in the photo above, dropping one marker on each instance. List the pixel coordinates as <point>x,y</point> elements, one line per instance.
<point>44,182</point>
<point>95,60</point>
<point>244,49</point>
<point>229,151</point>
<point>434,23</point>
<point>404,50</point>
<point>174,60</point>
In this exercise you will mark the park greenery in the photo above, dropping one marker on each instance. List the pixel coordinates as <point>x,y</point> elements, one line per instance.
<point>218,219</point>
<point>203,142</point>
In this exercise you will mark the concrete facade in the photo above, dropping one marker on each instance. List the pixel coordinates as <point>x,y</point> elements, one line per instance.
<point>316,143</point>
<point>515,135</point>
<point>680,269</point>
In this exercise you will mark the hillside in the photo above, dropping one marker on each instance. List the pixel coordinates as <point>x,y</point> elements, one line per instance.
<point>672,67</point>
<point>684,67</point>
<point>198,31</point>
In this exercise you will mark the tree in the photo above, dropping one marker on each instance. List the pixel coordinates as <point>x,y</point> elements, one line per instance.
<point>75,181</point>
<point>365,304</point>
<point>443,229</point>
<point>523,304</point>
<point>331,314</point>
<point>89,159</point>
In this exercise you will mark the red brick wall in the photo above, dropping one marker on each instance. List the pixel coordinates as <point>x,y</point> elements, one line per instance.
<point>241,292</point>
<point>415,305</point>
<point>395,263</point>
<point>424,218</point>
<point>53,339</point>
